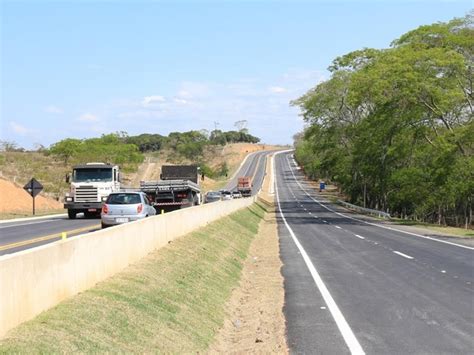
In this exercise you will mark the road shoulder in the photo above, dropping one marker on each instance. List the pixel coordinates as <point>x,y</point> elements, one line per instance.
<point>255,321</point>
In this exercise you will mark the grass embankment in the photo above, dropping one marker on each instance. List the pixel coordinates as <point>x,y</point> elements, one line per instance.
<point>452,231</point>
<point>172,301</point>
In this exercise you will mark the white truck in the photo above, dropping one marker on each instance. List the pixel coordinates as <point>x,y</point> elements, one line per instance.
<point>91,184</point>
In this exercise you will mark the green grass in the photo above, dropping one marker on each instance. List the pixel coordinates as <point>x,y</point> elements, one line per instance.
<point>452,231</point>
<point>172,301</point>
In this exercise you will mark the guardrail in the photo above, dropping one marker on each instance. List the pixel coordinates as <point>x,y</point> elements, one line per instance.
<point>378,213</point>
<point>33,280</point>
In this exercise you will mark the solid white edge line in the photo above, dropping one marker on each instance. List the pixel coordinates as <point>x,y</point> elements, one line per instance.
<point>374,224</point>
<point>24,224</point>
<point>346,331</point>
<point>404,255</point>
<point>51,216</point>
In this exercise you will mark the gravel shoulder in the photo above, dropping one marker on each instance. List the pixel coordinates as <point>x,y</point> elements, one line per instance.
<point>255,322</point>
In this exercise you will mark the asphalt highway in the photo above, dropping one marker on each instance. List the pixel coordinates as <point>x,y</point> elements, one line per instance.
<point>253,166</point>
<point>21,235</point>
<point>354,286</point>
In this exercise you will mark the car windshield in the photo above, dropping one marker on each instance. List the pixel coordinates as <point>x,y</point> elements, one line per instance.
<point>123,199</point>
<point>92,174</point>
<point>213,194</point>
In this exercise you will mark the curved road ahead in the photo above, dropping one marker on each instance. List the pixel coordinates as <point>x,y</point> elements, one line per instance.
<point>21,235</point>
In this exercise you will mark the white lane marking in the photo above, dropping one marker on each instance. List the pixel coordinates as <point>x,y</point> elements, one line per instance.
<point>404,255</point>
<point>344,328</point>
<point>25,224</point>
<point>325,221</point>
<point>338,227</point>
<point>443,271</point>
<point>359,236</point>
<point>309,213</point>
<point>374,224</point>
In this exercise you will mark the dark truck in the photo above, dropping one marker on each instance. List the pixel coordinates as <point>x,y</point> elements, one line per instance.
<point>178,188</point>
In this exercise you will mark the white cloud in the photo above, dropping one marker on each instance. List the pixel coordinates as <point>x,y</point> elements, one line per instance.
<point>53,109</point>
<point>153,99</point>
<point>180,101</point>
<point>277,89</point>
<point>88,117</point>
<point>19,129</point>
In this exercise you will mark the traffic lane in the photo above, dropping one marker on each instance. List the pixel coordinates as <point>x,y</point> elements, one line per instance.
<point>410,303</point>
<point>249,169</point>
<point>455,261</point>
<point>243,171</point>
<point>32,220</point>
<point>50,238</point>
<point>27,231</point>
<point>260,173</point>
<point>310,327</point>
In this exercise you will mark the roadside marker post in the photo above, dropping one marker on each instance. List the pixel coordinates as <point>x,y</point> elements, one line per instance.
<point>63,235</point>
<point>162,211</point>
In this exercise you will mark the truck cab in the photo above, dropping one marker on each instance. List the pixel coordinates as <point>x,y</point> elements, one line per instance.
<point>90,185</point>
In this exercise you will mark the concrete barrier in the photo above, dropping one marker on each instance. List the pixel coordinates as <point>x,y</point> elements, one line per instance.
<point>36,279</point>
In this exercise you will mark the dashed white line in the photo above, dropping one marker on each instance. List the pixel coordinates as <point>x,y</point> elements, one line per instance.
<point>374,224</point>
<point>338,227</point>
<point>404,255</point>
<point>359,236</point>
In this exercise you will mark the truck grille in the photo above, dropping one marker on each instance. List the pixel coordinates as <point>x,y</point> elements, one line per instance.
<point>86,194</point>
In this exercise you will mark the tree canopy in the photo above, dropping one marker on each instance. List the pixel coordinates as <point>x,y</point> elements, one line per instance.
<point>397,123</point>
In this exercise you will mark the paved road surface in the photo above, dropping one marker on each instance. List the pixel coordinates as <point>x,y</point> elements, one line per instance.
<point>17,236</point>
<point>357,287</point>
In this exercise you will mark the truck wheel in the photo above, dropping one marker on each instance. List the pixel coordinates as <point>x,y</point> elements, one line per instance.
<point>71,214</point>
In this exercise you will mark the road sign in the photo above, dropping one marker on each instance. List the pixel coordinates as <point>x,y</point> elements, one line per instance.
<point>33,187</point>
<point>322,186</point>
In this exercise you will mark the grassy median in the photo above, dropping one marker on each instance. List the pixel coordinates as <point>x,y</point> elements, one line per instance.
<point>171,301</point>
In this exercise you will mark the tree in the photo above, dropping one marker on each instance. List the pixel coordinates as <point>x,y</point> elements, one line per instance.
<point>66,148</point>
<point>394,127</point>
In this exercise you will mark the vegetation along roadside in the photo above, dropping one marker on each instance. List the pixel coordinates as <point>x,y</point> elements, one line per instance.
<point>172,301</point>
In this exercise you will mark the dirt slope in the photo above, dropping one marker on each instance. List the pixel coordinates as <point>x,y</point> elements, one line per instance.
<point>13,198</point>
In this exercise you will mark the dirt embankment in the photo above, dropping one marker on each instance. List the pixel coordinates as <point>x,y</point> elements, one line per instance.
<point>14,199</point>
<point>255,322</point>
<point>214,156</point>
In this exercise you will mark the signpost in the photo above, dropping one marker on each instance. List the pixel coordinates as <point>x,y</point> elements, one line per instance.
<point>33,187</point>
<point>322,186</point>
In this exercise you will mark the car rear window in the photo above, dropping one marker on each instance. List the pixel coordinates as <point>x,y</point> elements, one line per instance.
<point>123,199</point>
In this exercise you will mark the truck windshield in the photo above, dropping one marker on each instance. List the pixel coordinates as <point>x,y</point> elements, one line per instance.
<point>93,174</point>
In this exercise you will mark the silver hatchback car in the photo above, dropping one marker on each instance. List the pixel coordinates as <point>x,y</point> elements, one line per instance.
<point>123,207</point>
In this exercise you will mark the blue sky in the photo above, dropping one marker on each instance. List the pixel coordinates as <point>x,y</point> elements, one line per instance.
<point>84,68</point>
